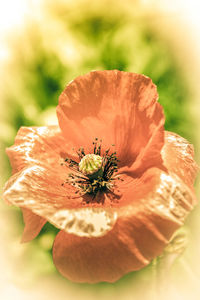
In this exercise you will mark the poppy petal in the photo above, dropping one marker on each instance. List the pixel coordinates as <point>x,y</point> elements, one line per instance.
<point>38,145</point>
<point>140,233</point>
<point>178,157</point>
<point>118,107</point>
<point>33,225</point>
<point>104,258</point>
<point>40,190</point>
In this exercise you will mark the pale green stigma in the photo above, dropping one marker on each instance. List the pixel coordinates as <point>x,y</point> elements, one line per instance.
<point>90,164</point>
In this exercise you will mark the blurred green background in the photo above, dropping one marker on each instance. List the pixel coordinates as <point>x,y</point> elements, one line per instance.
<point>69,39</point>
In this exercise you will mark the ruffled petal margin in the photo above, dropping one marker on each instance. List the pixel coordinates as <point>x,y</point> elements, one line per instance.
<point>38,145</point>
<point>178,157</point>
<point>140,233</point>
<point>41,190</point>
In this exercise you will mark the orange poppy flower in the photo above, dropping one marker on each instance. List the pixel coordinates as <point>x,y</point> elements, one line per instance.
<point>109,177</point>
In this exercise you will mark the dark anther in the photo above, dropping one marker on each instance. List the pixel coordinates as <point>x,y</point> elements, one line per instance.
<point>94,184</point>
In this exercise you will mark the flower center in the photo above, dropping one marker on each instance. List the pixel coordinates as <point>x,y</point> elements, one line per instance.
<point>91,165</point>
<point>95,172</point>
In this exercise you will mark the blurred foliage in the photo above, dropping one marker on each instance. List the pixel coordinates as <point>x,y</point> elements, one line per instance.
<point>70,40</point>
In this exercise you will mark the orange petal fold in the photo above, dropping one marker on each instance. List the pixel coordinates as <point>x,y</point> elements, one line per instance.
<point>41,190</point>
<point>33,225</point>
<point>178,157</point>
<point>140,233</point>
<point>118,107</point>
<point>38,145</point>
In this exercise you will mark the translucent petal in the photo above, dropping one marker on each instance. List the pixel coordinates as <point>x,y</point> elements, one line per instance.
<point>33,225</point>
<point>38,145</point>
<point>118,107</point>
<point>178,157</point>
<point>40,190</point>
<point>140,232</point>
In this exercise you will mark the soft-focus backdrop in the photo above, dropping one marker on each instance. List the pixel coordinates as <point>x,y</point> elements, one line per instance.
<point>44,45</point>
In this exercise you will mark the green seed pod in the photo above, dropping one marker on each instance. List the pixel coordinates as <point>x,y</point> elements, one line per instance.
<point>90,164</point>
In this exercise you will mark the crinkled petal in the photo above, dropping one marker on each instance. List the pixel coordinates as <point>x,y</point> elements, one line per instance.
<point>118,107</point>
<point>178,157</point>
<point>178,160</point>
<point>41,190</point>
<point>38,145</point>
<point>33,225</point>
<point>160,204</point>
